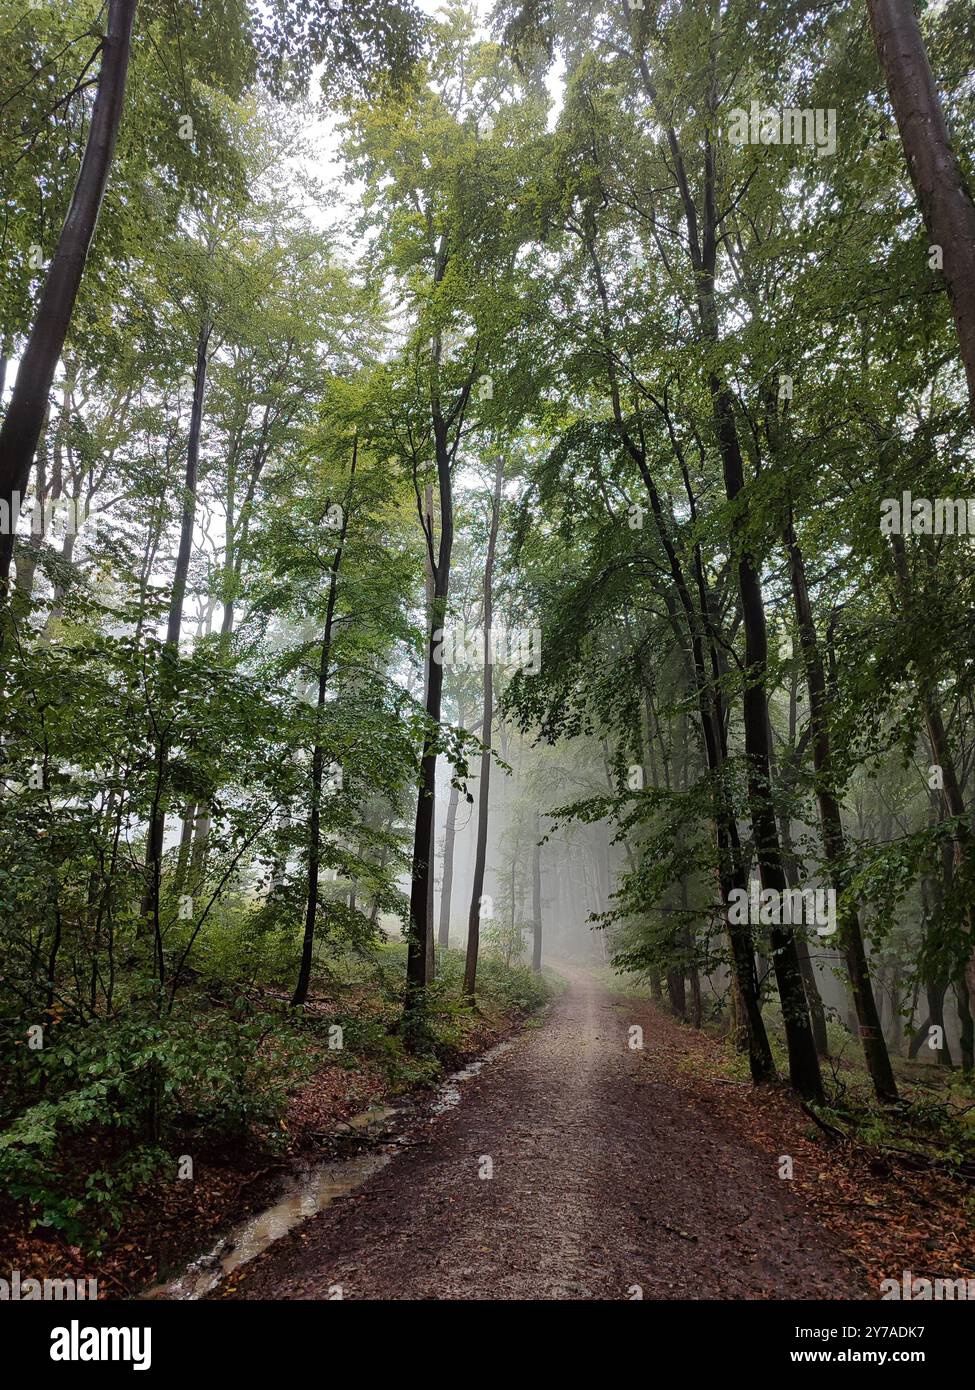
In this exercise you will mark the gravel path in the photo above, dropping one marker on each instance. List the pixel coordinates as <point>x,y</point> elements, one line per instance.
<point>608,1179</point>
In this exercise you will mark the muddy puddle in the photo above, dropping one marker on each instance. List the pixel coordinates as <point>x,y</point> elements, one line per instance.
<point>307,1193</point>
<point>448,1094</point>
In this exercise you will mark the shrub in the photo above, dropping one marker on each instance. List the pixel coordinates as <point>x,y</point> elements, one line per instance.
<point>132,1086</point>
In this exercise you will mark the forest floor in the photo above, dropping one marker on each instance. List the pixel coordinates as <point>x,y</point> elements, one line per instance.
<point>616,1172</point>
<point>168,1223</point>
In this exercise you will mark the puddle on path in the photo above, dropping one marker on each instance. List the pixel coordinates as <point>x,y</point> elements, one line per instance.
<point>308,1193</point>
<point>448,1092</point>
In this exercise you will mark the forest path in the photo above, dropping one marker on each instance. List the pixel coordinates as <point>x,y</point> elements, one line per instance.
<point>605,1175</point>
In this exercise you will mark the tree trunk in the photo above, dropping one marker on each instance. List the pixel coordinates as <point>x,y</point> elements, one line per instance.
<point>951,794</point>
<point>157,824</point>
<point>201,841</point>
<point>935,990</point>
<point>945,201</point>
<point>702,241</point>
<point>677,994</point>
<point>804,1071</point>
<point>480,851</point>
<point>318,757</point>
<point>750,1025</point>
<point>446,887</point>
<point>831,824</point>
<point>967,1036</point>
<point>185,841</point>
<point>28,402</point>
<point>817,1014</point>
<point>429,943</point>
<point>537,901</point>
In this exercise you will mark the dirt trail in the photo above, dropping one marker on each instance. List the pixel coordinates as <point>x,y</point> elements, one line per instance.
<point>606,1175</point>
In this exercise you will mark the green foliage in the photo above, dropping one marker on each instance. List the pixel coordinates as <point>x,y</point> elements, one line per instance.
<point>513,278</point>
<point>128,1092</point>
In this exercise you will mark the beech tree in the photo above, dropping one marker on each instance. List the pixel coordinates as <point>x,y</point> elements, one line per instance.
<point>942,192</point>
<point>24,417</point>
<point>487,721</point>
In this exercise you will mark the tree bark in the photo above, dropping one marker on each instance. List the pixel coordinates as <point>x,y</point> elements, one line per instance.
<point>157,824</point>
<point>945,201</point>
<point>750,1024</point>
<point>185,841</point>
<point>429,943</point>
<point>817,1014</point>
<point>417,948</point>
<point>831,824</point>
<point>480,851</point>
<point>951,795</point>
<point>804,1071</point>
<point>28,402</point>
<point>318,756</point>
<point>537,901</point>
<point>446,887</point>
<point>702,241</point>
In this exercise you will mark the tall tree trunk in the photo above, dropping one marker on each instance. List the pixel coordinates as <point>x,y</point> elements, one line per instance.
<point>537,901</point>
<point>817,1014</point>
<point>420,924</point>
<point>946,203</point>
<point>677,993</point>
<point>687,941</point>
<point>201,841</point>
<point>831,824</point>
<point>177,598</point>
<point>702,241</point>
<point>967,1026</point>
<point>429,943</point>
<point>318,755</point>
<point>185,841</point>
<point>750,1027</point>
<point>446,887</point>
<point>935,991</point>
<point>480,851</point>
<point>951,795</point>
<point>28,402</point>
<point>804,1071</point>
<point>47,490</point>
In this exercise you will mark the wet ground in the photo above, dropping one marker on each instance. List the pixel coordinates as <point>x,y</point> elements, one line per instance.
<point>574,1168</point>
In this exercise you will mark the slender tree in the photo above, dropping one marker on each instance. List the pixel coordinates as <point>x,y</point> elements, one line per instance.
<point>480,850</point>
<point>537,899</point>
<point>318,752</point>
<point>450,835</point>
<point>944,198</point>
<point>174,624</point>
<point>24,419</point>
